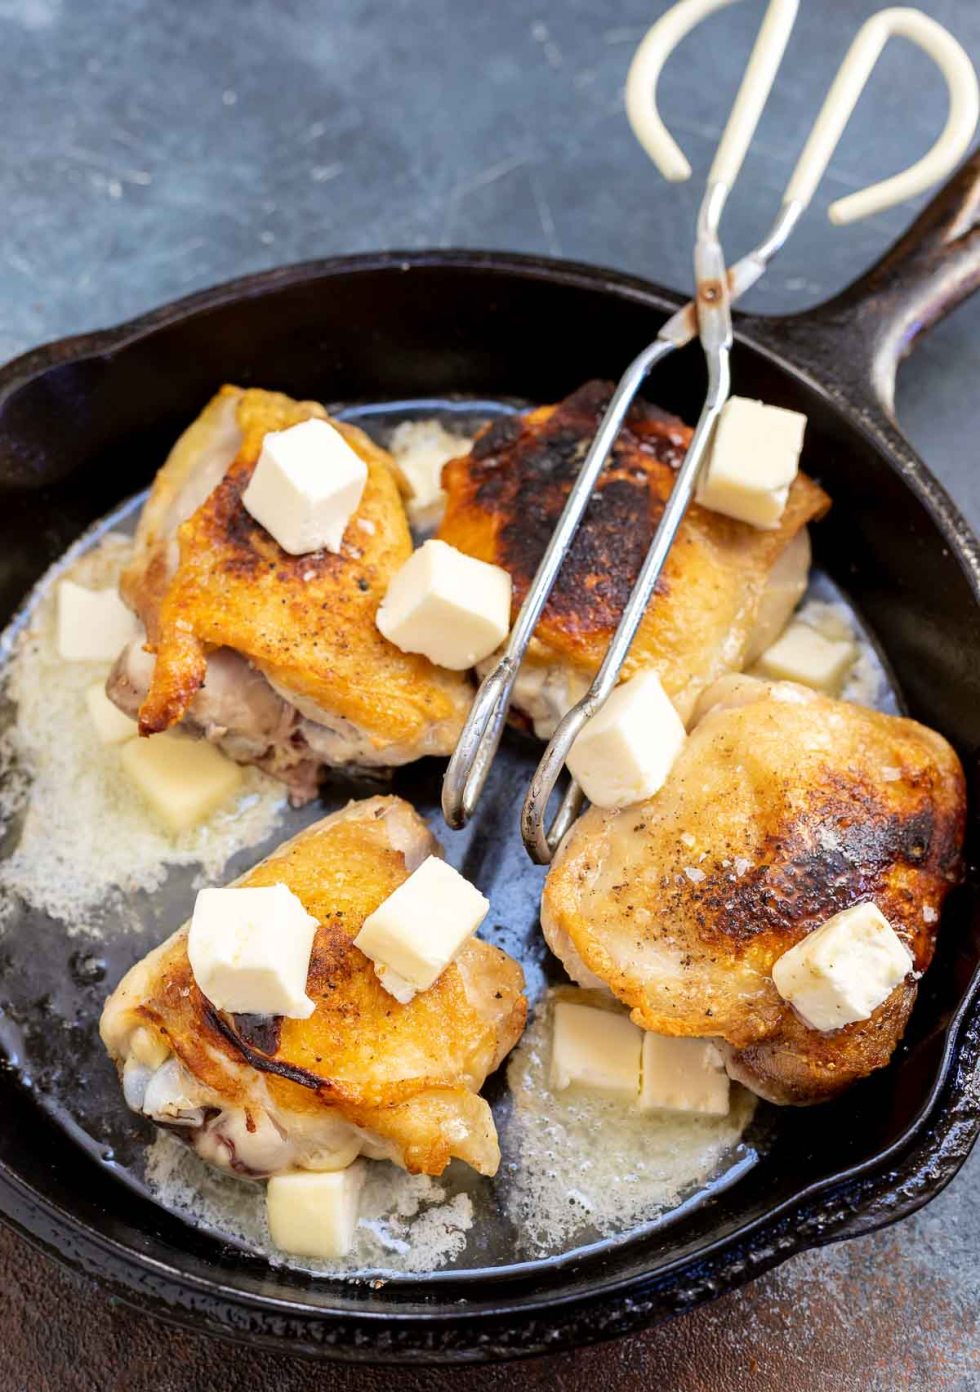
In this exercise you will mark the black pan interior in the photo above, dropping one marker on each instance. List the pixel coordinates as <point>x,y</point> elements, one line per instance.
<point>85,426</point>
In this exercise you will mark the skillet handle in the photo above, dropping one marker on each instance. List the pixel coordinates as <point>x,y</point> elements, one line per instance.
<point>856,340</point>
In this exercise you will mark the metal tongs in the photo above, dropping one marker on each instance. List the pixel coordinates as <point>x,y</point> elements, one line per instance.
<point>709,317</point>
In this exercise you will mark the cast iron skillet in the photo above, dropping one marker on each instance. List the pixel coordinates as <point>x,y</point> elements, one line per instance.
<point>86,421</point>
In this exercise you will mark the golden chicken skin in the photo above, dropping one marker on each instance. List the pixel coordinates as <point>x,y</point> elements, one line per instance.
<point>727,588</point>
<point>275,657</point>
<point>784,808</point>
<point>363,1074</point>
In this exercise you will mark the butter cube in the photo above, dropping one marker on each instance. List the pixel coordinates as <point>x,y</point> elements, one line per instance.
<point>754,459</point>
<point>184,780</point>
<point>595,1049</point>
<point>93,625</point>
<point>306,486</point>
<point>249,950</point>
<point>314,1213</point>
<point>806,656</point>
<point>112,725</point>
<point>625,752</point>
<point>413,936</point>
<point>451,608</point>
<point>683,1075</point>
<point>843,970</point>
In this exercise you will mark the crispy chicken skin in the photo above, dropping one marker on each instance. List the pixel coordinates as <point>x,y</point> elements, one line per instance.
<point>207,579</point>
<point>784,808</point>
<point>263,1095</point>
<point>505,497</point>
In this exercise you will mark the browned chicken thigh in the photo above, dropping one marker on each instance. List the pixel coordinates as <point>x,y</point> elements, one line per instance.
<point>275,657</point>
<point>784,808</point>
<point>364,1074</point>
<point>727,588</point>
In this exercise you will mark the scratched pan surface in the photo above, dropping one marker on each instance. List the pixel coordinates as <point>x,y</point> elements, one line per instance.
<point>84,424</point>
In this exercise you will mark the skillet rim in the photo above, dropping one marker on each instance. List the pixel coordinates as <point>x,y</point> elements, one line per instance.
<point>887,1186</point>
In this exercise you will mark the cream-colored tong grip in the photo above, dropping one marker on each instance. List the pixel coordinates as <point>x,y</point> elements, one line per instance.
<point>863,54</point>
<point>648,62</point>
<point>846,89</point>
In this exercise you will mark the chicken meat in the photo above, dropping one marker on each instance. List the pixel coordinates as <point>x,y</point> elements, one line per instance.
<point>364,1074</point>
<point>784,808</point>
<point>274,657</point>
<point>726,591</point>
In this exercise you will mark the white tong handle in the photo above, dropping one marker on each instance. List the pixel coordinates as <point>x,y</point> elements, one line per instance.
<point>851,79</point>
<point>652,54</point>
<point>863,54</point>
<point>753,93</point>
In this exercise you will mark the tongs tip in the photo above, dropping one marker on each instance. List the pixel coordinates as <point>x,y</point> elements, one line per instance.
<point>478,743</point>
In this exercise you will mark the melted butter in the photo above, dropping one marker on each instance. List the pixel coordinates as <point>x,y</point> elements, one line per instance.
<point>865,684</point>
<point>85,832</point>
<point>420,448</point>
<point>407,1222</point>
<point>581,1165</point>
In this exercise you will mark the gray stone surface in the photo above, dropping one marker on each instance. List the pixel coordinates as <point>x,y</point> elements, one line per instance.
<point>153,148</point>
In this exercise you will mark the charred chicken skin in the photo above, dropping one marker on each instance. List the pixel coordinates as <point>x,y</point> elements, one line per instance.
<point>727,588</point>
<point>784,808</point>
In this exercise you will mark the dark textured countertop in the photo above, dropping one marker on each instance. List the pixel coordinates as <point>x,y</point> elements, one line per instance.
<point>150,149</point>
